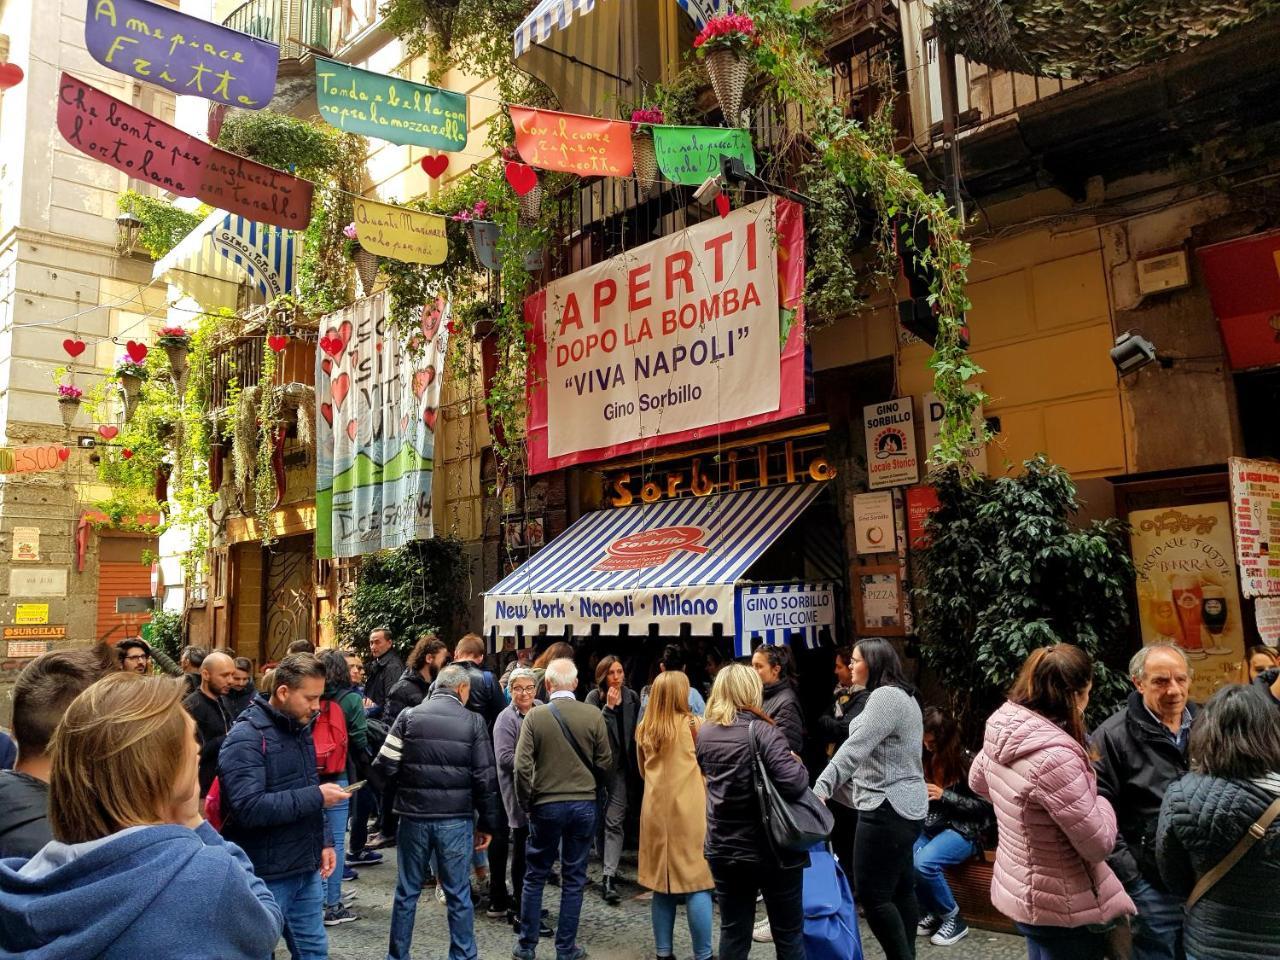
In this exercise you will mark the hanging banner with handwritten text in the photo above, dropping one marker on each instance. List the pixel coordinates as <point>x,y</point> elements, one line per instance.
<point>689,155</point>
<point>376,105</point>
<point>697,334</point>
<point>181,53</point>
<point>37,459</point>
<point>152,151</point>
<point>400,233</point>
<point>587,146</point>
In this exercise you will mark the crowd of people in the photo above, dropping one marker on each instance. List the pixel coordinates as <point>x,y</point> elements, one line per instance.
<point>244,808</point>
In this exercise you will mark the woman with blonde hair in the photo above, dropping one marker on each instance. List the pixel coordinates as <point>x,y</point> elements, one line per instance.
<point>673,816</point>
<point>742,860</point>
<point>132,864</point>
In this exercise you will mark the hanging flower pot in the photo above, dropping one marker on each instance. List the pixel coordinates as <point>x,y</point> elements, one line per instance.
<point>68,407</point>
<point>725,43</point>
<point>366,268</point>
<point>176,343</point>
<point>131,373</point>
<point>643,155</point>
<point>530,205</point>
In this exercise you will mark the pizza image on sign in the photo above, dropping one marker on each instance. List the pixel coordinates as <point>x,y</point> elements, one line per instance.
<point>650,548</point>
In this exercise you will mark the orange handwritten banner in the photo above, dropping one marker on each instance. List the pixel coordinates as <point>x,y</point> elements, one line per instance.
<point>587,146</point>
<point>32,459</point>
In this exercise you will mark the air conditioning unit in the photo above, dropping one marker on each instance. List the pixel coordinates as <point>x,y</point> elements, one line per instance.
<point>1163,271</point>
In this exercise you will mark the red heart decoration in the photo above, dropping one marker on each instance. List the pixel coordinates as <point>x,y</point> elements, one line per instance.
<point>423,379</point>
<point>521,176</point>
<point>429,418</point>
<point>339,389</point>
<point>137,351</point>
<point>431,317</point>
<point>74,347</point>
<point>108,433</point>
<point>63,453</point>
<point>434,166</point>
<point>127,453</point>
<point>277,342</point>
<point>404,422</point>
<point>722,204</point>
<point>326,411</point>
<point>10,75</point>
<point>326,365</point>
<point>352,429</point>
<point>331,345</point>
<point>344,332</point>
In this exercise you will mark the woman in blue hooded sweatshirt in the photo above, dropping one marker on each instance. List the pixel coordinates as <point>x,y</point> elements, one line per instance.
<point>133,870</point>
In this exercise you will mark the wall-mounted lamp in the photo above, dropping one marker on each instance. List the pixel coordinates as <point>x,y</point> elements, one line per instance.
<point>1133,351</point>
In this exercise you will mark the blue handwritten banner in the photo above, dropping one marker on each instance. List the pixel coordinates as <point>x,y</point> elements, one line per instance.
<point>181,53</point>
<point>399,111</point>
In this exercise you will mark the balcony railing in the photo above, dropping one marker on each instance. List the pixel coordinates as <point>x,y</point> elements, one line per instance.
<point>296,25</point>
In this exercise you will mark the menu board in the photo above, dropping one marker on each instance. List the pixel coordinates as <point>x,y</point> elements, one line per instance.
<point>1255,514</point>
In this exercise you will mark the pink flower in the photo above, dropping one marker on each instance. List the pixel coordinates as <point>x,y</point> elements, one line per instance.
<point>68,392</point>
<point>728,27</point>
<point>172,332</point>
<point>349,231</point>
<point>648,115</point>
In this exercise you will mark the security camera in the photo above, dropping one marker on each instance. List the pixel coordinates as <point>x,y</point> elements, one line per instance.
<point>1132,352</point>
<point>709,190</point>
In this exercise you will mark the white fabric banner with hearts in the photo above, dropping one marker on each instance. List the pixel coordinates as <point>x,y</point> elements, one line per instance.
<point>377,400</point>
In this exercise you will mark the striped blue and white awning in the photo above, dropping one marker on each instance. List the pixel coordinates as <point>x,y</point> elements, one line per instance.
<point>783,613</point>
<point>552,15</point>
<point>669,563</point>
<point>224,251</point>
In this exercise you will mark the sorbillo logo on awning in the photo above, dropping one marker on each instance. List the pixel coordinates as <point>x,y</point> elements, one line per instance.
<point>649,548</point>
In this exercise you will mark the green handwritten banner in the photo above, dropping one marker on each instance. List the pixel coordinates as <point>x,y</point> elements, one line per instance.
<point>689,155</point>
<point>399,111</point>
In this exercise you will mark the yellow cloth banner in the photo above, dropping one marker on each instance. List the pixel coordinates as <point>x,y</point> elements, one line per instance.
<point>401,233</point>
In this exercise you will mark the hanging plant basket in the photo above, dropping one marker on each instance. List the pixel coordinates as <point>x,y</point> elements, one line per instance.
<point>178,352</point>
<point>367,264</point>
<point>729,70</point>
<point>131,384</point>
<point>68,407</point>
<point>645,159</point>
<point>530,205</point>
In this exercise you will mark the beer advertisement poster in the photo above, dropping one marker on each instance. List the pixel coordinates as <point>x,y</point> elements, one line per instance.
<point>694,335</point>
<point>1187,589</point>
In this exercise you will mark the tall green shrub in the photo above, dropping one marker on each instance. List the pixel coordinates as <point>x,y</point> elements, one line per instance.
<point>413,590</point>
<point>1008,571</point>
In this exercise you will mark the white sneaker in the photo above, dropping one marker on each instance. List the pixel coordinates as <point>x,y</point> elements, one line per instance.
<point>440,893</point>
<point>762,933</point>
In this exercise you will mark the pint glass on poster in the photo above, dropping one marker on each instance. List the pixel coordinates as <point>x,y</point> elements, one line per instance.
<point>1187,598</point>
<point>1213,608</point>
<point>1164,617</point>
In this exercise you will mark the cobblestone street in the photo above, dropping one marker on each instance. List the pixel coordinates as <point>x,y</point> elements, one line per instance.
<point>615,933</point>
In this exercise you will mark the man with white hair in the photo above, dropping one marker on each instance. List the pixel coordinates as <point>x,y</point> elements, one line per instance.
<point>1141,749</point>
<point>439,755</point>
<point>561,759</point>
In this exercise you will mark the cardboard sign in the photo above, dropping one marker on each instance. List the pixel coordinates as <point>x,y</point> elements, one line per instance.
<point>32,459</point>
<point>400,233</point>
<point>700,329</point>
<point>689,155</point>
<point>587,146</point>
<point>933,415</point>
<point>891,444</point>
<point>156,153</point>
<point>1255,513</point>
<point>30,614</point>
<point>399,111</point>
<point>181,53</point>
<point>873,523</point>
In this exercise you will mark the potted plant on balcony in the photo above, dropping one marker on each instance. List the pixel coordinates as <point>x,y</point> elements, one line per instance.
<point>69,398</point>
<point>176,343</point>
<point>643,154</point>
<point>366,261</point>
<point>475,217</point>
<point>725,44</point>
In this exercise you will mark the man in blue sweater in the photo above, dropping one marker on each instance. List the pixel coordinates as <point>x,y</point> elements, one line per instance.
<point>273,801</point>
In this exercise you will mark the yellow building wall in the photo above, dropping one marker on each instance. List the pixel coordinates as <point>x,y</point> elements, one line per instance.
<point>1040,328</point>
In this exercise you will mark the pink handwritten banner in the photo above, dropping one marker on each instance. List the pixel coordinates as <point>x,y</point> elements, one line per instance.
<point>587,146</point>
<point>147,149</point>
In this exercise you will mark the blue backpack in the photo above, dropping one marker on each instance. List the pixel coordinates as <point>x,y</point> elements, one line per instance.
<point>830,918</point>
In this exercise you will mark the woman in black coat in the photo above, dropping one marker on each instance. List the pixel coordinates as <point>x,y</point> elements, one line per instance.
<point>743,863</point>
<point>621,707</point>
<point>1234,778</point>
<point>780,702</point>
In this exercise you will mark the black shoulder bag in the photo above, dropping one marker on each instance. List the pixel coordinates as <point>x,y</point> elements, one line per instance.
<point>602,791</point>
<point>790,825</point>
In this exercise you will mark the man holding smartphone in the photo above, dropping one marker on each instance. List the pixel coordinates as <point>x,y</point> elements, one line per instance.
<point>441,761</point>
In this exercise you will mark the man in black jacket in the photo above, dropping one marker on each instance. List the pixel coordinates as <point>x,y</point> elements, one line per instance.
<point>1142,748</point>
<point>208,709</point>
<point>381,672</point>
<point>441,759</point>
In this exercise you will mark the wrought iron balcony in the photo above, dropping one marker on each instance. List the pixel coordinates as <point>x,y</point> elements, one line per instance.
<point>298,26</point>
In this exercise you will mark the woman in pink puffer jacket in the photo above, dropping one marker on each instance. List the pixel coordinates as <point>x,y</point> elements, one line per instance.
<point>1051,877</point>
